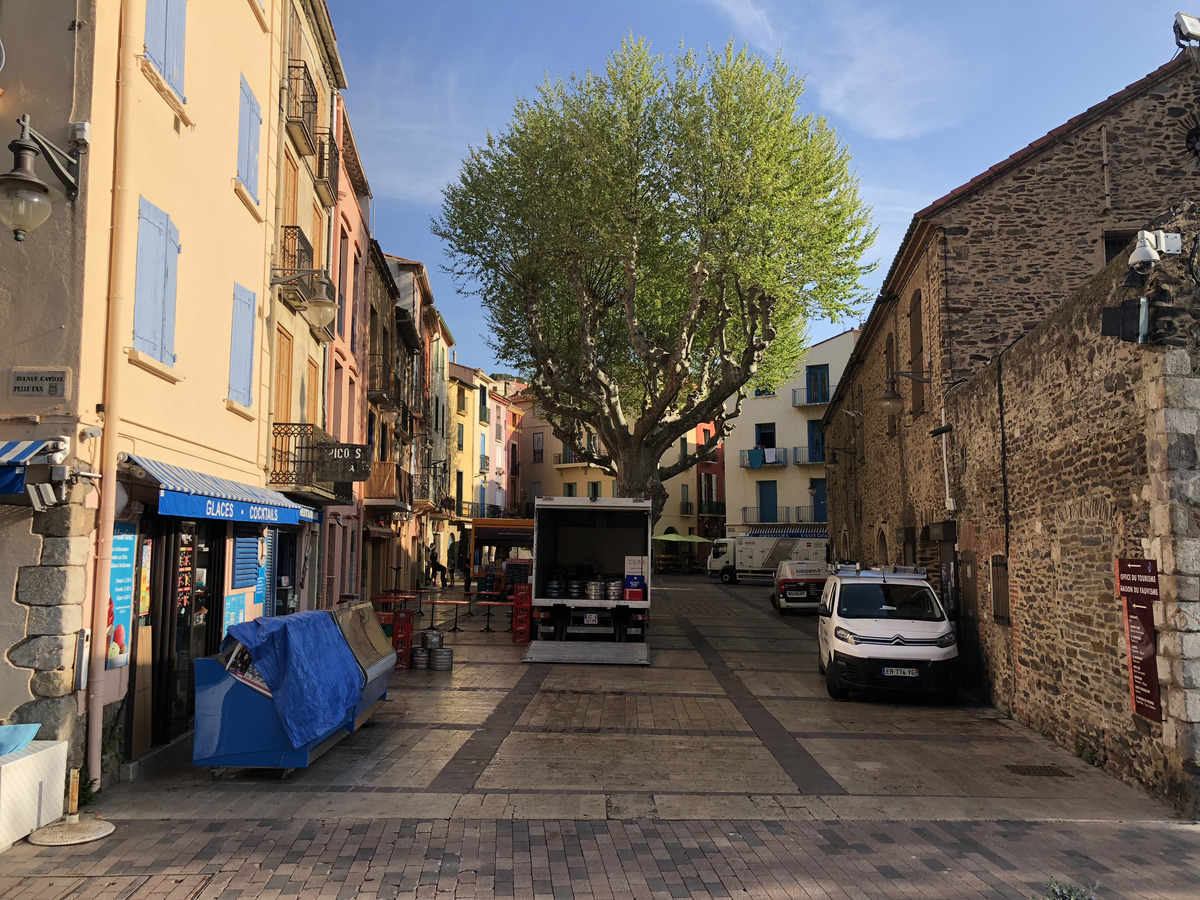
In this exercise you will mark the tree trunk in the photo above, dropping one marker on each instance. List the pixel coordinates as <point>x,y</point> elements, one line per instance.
<point>637,476</point>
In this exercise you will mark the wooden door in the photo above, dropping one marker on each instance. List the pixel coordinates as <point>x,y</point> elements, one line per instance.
<point>283,376</point>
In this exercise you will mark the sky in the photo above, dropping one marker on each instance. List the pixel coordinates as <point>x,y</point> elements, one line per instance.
<point>924,94</point>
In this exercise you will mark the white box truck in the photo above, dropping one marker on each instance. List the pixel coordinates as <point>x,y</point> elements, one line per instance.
<point>591,569</point>
<point>757,556</point>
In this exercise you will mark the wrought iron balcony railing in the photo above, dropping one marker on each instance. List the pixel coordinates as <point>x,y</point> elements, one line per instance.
<point>485,464</point>
<point>712,507</point>
<point>813,394</point>
<point>766,515</point>
<point>809,514</point>
<point>302,107</point>
<point>765,456</point>
<point>297,459</point>
<point>687,508</point>
<point>803,456</point>
<point>295,255</point>
<point>382,383</point>
<point>325,181</point>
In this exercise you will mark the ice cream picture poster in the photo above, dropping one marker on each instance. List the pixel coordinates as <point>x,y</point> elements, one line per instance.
<point>121,586</point>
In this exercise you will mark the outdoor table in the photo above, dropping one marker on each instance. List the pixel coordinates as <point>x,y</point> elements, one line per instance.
<point>489,604</point>
<point>481,594</point>
<point>438,601</point>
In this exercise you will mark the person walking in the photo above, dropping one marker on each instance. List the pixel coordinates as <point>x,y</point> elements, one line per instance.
<point>435,568</point>
<point>452,558</point>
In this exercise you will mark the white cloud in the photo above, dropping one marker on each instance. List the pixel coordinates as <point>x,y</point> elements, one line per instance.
<point>751,22</point>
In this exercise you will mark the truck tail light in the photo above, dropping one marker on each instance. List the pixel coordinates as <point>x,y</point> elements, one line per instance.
<point>640,617</point>
<point>541,614</point>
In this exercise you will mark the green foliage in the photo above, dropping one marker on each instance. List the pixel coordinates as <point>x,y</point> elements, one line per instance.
<point>87,787</point>
<point>648,239</point>
<point>1057,891</point>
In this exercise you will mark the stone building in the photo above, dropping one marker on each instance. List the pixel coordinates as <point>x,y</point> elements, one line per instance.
<point>1029,452</point>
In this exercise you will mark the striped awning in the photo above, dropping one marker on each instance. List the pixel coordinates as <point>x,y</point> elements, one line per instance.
<point>808,532</point>
<point>241,502</point>
<point>16,453</point>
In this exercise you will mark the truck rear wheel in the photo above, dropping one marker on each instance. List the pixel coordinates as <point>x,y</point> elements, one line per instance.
<point>728,576</point>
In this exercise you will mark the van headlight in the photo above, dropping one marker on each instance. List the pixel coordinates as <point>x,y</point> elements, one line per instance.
<point>843,635</point>
<point>947,640</point>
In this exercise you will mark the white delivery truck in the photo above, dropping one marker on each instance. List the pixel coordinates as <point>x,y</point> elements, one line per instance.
<point>757,556</point>
<point>591,569</point>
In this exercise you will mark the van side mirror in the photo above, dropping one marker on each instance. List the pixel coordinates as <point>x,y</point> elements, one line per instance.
<point>823,611</point>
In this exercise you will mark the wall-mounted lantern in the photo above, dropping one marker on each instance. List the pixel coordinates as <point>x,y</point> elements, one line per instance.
<point>24,198</point>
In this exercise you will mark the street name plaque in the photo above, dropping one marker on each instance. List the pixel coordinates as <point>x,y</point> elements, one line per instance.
<point>1137,586</point>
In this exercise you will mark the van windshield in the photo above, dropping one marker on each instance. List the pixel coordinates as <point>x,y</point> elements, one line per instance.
<point>914,602</point>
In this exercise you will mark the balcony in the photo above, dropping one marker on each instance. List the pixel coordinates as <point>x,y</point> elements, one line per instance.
<point>295,255</point>
<point>325,182</point>
<point>766,515</point>
<point>813,394</point>
<point>766,457</point>
<point>468,510</point>
<point>485,416</point>
<point>805,456</point>
<point>809,514</point>
<point>712,507</point>
<point>302,107</point>
<point>485,464</point>
<point>429,488</point>
<point>382,385</point>
<point>687,508</point>
<point>388,486</point>
<point>297,455</point>
<point>569,458</point>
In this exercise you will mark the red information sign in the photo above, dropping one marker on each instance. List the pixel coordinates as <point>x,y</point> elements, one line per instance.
<point>1137,585</point>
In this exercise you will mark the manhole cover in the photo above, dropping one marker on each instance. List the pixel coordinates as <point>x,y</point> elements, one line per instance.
<point>1040,771</point>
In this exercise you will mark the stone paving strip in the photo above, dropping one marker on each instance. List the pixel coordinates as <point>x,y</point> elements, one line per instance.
<point>722,770</point>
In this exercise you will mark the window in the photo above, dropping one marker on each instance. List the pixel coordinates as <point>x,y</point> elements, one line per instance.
<point>917,345</point>
<point>816,442</point>
<point>1115,243</point>
<point>311,388</point>
<point>484,415</point>
<point>165,27</point>
<point>682,449</point>
<point>241,346</point>
<point>462,399</point>
<point>1000,597</point>
<point>283,380</point>
<point>764,434</point>
<point>499,428</point>
<point>249,126</point>
<point>158,251</point>
<point>461,435</point>
<point>535,489</point>
<point>245,555</point>
<point>291,191</point>
<point>593,490</point>
<point>764,392</point>
<point>816,380</point>
<point>591,444</point>
<point>569,489</point>
<point>538,448</point>
<point>343,286</point>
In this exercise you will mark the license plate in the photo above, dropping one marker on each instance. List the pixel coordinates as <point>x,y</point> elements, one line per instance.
<point>594,619</point>
<point>797,593</point>
<point>902,673</point>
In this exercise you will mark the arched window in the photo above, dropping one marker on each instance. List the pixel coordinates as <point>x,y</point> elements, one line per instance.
<point>881,551</point>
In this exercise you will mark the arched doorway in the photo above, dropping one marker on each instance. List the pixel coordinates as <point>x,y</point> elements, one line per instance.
<point>881,550</point>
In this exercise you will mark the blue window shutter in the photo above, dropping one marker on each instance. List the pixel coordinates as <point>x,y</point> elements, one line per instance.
<point>148,294</point>
<point>176,21</point>
<point>241,346</point>
<point>249,126</point>
<point>172,252</point>
<point>156,34</point>
<point>245,555</point>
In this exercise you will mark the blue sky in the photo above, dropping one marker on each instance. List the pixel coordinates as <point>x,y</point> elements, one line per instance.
<point>926,95</point>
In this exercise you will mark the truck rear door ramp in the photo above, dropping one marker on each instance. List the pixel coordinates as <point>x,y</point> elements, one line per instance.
<point>593,653</point>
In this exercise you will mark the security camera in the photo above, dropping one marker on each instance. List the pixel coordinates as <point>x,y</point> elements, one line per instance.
<point>1144,257</point>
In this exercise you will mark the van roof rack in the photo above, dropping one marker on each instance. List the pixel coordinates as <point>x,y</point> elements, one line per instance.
<point>846,568</point>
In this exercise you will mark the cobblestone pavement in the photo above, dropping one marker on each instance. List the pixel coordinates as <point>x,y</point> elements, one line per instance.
<point>722,770</point>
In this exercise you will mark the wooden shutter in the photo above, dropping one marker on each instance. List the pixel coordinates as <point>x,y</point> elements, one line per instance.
<point>291,187</point>
<point>156,34</point>
<point>249,127</point>
<point>176,21</point>
<point>150,287</point>
<point>283,376</point>
<point>241,346</point>
<point>313,386</point>
<point>245,555</point>
<point>173,249</point>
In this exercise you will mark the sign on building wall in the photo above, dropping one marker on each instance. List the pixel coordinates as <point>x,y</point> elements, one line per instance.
<point>40,383</point>
<point>1137,586</point>
<point>120,591</point>
<point>343,462</point>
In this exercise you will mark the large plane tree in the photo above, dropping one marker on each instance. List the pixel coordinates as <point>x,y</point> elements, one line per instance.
<point>650,242</point>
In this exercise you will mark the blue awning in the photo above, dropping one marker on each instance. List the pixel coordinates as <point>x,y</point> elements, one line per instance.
<point>14,453</point>
<point>189,494</point>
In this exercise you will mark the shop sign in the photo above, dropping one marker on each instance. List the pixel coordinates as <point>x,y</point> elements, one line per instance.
<point>192,506</point>
<point>343,462</point>
<point>1137,586</point>
<point>120,591</point>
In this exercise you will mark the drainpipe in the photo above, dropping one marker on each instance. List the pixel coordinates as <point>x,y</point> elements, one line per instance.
<point>122,252</point>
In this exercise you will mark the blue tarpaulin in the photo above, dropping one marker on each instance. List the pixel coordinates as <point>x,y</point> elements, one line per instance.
<point>310,669</point>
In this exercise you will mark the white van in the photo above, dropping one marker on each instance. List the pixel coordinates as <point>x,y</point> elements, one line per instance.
<point>798,585</point>
<point>885,629</point>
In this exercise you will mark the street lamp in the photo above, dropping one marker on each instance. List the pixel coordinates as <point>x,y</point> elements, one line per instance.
<point>24,198</point>
<point>322,308</point>
<point>891,402</point>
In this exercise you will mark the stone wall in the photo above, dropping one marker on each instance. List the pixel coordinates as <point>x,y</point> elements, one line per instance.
<point>49,598</point>
<point>1073,449</point>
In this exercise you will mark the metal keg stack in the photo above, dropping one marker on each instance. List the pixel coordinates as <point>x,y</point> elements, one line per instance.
<point>420,658</point>
<point>576,589</point>
<point>441,660</point>
<point>554,590</point>
<point>596,590</point>
<point>433,655</point>
<point>615,587</point>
